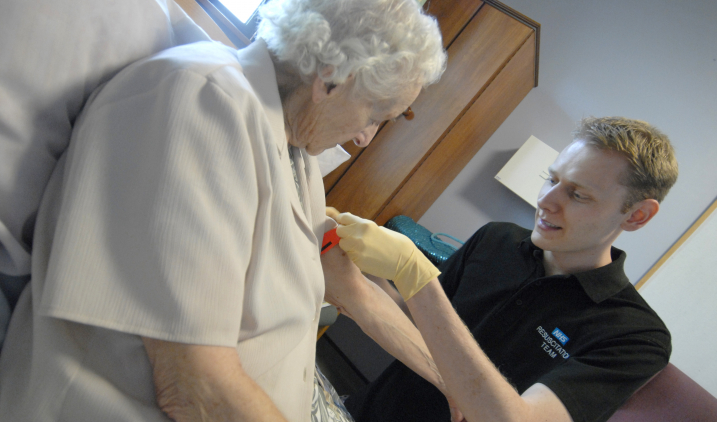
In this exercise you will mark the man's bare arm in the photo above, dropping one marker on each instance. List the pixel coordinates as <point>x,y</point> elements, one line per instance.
<point>195,383</point>
<point>474,383</point>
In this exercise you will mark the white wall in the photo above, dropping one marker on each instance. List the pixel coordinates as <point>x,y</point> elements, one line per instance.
<point>653,60</point>
<point>682,291</point>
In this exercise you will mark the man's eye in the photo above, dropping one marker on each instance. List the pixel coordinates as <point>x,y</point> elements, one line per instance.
<point>552,181</point>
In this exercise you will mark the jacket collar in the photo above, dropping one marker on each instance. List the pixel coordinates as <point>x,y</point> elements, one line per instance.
<point>259,71</point>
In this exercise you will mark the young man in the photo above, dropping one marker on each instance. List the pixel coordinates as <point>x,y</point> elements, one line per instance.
<point>533,326</point>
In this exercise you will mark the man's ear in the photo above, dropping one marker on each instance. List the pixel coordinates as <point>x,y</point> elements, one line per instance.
<point>640,214</point>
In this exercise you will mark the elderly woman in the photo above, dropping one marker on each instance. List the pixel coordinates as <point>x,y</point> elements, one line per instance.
<point>176,268</point>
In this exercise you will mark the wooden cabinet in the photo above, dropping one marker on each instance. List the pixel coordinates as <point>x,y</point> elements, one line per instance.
<point>492,65</point>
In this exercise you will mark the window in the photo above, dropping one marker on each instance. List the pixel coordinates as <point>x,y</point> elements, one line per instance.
<point>241,14</point>
<point>238,18</point>
<point>242,9</point>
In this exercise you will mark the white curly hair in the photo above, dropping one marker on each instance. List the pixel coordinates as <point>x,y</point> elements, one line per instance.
<point>388,45</point>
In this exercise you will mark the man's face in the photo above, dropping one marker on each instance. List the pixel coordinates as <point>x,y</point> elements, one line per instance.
<point>579,207</point>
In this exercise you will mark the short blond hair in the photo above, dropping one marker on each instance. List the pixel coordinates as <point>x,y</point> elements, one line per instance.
<point>652,163</point>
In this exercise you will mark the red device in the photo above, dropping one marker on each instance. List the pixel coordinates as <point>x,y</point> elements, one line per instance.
<point>331,239</point>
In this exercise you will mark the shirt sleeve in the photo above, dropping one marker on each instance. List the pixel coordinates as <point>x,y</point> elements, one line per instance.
<point>452,270</point>
<point>159,203</point>
<point>594,384</point>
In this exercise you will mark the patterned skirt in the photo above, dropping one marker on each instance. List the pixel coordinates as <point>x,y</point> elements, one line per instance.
<point>326,405</point>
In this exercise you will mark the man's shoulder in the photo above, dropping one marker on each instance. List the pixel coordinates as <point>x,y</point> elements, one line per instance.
<point>502,232</point>
<point>508,228</point>
<point>496,239</point>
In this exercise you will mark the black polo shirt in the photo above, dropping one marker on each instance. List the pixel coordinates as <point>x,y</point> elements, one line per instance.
<point>589,337</point>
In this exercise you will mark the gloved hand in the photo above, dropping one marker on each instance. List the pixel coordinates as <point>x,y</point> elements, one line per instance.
<point>384,253</point>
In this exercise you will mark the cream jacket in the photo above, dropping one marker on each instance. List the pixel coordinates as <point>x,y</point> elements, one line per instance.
<point>173,215</point>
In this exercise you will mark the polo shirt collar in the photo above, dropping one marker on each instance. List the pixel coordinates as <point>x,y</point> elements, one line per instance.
<point>599,283</point>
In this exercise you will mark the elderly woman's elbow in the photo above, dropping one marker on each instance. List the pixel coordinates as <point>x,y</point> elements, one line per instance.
<point>180,389</point>
<point>178,405</point>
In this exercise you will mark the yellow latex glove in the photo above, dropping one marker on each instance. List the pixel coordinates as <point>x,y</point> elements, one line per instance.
<point>384,253</point>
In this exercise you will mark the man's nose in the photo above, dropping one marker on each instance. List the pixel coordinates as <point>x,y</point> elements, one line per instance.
<point>548,198</point>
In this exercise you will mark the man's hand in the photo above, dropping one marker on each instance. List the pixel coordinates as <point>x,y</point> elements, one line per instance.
<point>195,383</point>
<point>385,253</point>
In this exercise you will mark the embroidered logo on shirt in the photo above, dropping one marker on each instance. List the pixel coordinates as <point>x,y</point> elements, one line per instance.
<point>560,336</point>
<point>551,346</point>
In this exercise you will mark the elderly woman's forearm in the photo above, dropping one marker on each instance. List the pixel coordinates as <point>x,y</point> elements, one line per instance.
<point>377,314</point>
<point>198,383</point>
<point>382,320</point>
<point>392,293</point>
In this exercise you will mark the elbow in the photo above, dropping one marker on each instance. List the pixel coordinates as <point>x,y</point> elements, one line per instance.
<point>178,393</point>
<point>174,402</point>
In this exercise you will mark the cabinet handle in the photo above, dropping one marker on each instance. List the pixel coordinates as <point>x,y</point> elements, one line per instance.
<point>408,114</point>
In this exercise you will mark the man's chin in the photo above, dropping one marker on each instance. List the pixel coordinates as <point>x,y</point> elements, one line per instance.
<point>538,240</point>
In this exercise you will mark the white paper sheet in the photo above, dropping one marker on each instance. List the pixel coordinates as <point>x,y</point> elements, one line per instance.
<point>526,172</point>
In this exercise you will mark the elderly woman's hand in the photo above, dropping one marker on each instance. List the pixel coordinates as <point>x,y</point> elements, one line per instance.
<point>385,253</point>
<point>332,212</point>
